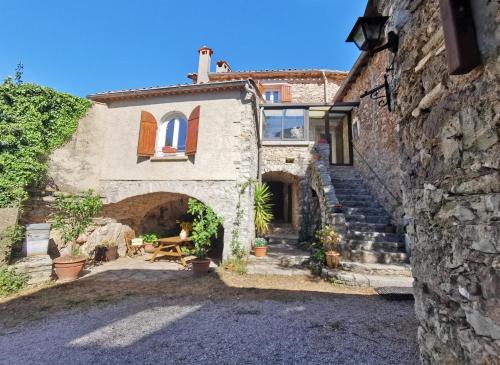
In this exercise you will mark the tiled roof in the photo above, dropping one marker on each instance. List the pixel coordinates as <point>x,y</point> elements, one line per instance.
<point>166,90</point>
<point>286,72</point>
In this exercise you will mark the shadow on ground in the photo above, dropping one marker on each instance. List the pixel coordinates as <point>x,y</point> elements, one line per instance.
<point>217,318</point>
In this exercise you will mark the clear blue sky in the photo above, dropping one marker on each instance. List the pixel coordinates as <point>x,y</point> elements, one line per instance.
<point>86,46</point>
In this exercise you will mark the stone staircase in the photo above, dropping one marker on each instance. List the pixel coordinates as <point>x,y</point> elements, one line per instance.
<point>373,253</point>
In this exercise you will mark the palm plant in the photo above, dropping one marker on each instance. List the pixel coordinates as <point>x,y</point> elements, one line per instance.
<point>263,206</point>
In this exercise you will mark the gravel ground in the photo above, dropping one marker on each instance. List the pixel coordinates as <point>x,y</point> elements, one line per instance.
<point>317,328</point>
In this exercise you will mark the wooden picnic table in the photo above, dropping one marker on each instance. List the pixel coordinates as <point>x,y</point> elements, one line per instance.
<point>170,246</point>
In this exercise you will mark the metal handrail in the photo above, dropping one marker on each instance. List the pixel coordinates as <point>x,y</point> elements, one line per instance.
<point>396,198</point>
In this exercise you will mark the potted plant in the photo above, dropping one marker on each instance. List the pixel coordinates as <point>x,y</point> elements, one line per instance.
<point>330,241</point>
<point>260,247</point>
<point>205,226</point>
<point>110,250</point>
<point>150,241</point>
<point>72,216</point>
<point>186,228</point>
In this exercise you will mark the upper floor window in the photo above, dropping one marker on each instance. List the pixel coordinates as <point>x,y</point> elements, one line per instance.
<point>272,96</point>
<point>284,124</point>
<point>171,137</point>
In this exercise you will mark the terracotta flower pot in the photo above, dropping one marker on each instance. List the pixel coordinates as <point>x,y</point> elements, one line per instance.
<point>68,268</point>
<point>337,208</point>
<point>111,253</point>
<point>332,259</point>
<point>200,266</point>
<point>260,251</point>
<point>148,247</point>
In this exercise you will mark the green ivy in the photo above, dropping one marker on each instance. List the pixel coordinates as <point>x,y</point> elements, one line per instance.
<point>34,121</point>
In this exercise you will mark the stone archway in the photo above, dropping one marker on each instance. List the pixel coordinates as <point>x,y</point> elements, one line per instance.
<point>221,196</point>
<point>286,197</point>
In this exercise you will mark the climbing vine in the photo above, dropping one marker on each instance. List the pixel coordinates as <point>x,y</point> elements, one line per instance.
<point>34,121</point>
<point>237,249</point>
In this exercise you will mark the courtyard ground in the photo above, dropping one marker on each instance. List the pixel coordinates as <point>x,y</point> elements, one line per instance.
<point>134,312</point>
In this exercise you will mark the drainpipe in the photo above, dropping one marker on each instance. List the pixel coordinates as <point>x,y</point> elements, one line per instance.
<point>325,82</point>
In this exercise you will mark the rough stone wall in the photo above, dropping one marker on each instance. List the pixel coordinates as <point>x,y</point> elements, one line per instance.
<point>313,91</point>
<point>274,159</point>
<point>376,149</point>
<point>450,161</point>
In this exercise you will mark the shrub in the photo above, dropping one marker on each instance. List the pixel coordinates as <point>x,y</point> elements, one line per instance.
<point>205,226</point>
<point>262,206</point>
<point>74,213</point>
<point>11,281</point>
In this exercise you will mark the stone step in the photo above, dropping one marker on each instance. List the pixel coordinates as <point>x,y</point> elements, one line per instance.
<point>364,210</point>
<point>350,197</point>
<point>361,204</point>
<point>374,236</point>
<point>346,183</point>
<point>364,280</point>
<point>372,245</point>
<point>351,190</point>
<point>385,219</point>
<point>370,227</point>
<point>282,239</point>
<point>376,269</point>
<point>373,257</point>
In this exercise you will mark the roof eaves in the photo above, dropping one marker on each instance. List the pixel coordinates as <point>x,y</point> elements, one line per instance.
<point>167,90</point>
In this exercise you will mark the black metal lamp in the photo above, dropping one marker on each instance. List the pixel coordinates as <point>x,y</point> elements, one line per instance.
<point>367,33</point>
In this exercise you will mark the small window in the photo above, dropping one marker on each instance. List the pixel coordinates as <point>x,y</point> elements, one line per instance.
<point>172,137</point>
<point>272,96</point>
<point>284,124</point>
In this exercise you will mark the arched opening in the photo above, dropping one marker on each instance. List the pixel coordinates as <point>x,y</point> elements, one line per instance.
<point>285,199</point>
<point>159,213</point>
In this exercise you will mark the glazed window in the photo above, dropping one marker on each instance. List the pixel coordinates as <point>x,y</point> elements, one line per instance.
<point>272,96</point>
<point>171,137</point>
<point>284,124</point>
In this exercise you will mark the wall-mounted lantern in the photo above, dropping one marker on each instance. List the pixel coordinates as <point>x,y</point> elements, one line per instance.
<point>367,33</point>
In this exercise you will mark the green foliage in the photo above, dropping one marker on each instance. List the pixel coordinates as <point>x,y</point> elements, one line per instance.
<point>74,213</point>
<point>236,265</point>
<point>34,121</point>
<point>263,208</point>
<point>11,281</point>
<point>237,249</point>
<point>205,226</point>
<point>186,251</point>
<point>260,242</point>
<point>150,237</point>
<point>328,238</point>
<point>8,239</point>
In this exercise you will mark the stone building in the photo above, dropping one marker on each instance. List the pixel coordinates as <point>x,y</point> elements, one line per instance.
<point>438,153</point>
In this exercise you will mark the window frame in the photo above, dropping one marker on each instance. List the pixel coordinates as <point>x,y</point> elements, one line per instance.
<point>162,134</point>
<point>282,139</point>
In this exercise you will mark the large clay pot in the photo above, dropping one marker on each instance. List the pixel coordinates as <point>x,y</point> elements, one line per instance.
<point>200,266</point>
<point>148,247</point>
<point>260,251</point>
<point>68,268</point>
<point>332,259</point>
<point>111,253</point>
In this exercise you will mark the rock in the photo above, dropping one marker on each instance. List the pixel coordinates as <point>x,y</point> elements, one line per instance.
<point>111,232</point>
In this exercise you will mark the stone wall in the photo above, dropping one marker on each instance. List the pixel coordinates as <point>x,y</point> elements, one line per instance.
<point>450,162</point>
<point>132,188</point>
<point>294,161</point>
<point>313,91</point>
<point>376,148</point>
